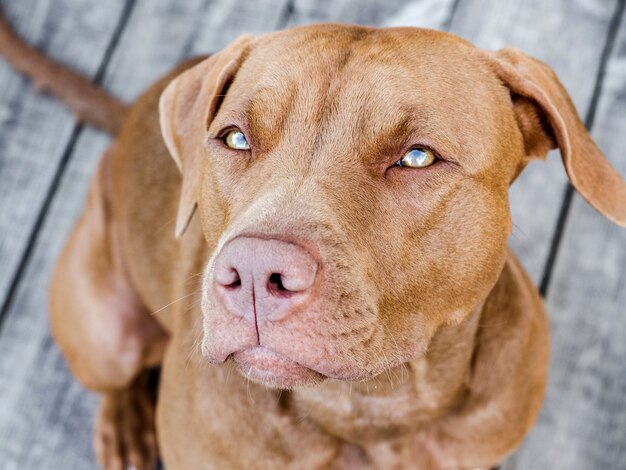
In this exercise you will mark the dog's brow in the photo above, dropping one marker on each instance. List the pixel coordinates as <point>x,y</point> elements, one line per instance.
<point>384,136</point>
<point>267,111</point>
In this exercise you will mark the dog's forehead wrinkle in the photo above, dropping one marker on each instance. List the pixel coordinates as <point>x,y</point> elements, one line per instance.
<point>315,126</point>
<point>350,96</point>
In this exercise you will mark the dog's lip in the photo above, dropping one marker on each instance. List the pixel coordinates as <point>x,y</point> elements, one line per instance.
<point>268,367</point>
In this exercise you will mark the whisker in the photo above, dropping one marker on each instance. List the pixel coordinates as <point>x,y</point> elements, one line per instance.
<point>195,346</point>
<point>199,273</point>
<point>387,368</point>
<point>250,399</point>
<point>169,222</point>
<point>395,353</point>
<point>172,303</point>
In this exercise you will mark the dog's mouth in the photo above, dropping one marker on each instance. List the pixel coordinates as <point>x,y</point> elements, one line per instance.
<point>269,368</point>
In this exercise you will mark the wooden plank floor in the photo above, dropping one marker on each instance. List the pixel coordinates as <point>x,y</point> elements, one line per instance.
<point>46,160</point>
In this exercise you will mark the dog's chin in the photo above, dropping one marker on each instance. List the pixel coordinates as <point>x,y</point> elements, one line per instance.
<point>273,370</point>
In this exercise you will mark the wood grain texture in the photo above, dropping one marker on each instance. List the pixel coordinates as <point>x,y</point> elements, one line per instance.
<point>35,129</point>
<point>46,416</point>
<point>570,37</point>
<point>163,32</point>
<point>583,421</point>
<point>423,13</point>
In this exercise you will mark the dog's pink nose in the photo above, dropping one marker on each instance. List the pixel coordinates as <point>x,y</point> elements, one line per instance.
<point>263,279</point>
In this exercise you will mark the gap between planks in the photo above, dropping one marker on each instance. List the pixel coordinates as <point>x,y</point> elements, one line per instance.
<point>568,194</point>
<point>60,171</point>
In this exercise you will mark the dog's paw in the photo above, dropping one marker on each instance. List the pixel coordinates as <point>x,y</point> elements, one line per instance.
<point>124,432</point>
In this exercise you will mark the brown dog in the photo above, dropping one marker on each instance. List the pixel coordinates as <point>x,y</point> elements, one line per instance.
<point>344,296</point>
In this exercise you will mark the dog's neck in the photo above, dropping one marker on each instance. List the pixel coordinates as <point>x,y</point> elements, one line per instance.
<point>400,400</point>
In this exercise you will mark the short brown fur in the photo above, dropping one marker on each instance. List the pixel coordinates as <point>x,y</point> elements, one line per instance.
<point>430,343</point>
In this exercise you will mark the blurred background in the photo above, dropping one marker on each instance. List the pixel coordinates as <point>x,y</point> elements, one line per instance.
<point>46,158</point>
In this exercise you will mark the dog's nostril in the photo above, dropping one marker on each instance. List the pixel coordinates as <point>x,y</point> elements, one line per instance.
<point>275,283</point>
<point>235,281</point>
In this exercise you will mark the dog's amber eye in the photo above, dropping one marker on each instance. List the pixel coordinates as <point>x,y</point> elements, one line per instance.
<point>418,158</point>
<point>235,139</point>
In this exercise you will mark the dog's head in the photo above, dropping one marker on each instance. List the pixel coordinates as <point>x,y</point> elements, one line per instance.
<point>352,184</point>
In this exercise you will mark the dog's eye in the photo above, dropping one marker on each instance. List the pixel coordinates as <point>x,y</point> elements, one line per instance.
<point>236,139</point>
<point>418,158</point>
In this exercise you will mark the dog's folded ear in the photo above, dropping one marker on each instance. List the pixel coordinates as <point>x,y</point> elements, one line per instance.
<point>186,108</point>
<point>548,119</point>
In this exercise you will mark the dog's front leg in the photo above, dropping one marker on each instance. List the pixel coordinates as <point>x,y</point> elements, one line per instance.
<point>105,332</point>
<point>124,431</point>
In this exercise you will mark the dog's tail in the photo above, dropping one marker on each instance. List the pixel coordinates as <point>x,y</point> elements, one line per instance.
<point>91,104</point>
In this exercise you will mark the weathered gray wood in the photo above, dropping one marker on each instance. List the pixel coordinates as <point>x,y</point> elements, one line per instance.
<point>570,37</point>
<point>423,13</point>
<point>162,32</point>
<point>45,416</point>
<point>35,129</point>
<point>583,422</point>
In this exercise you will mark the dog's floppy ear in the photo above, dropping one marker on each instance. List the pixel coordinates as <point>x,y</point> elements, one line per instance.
<point>547,119</point>
<point>186,108</point>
